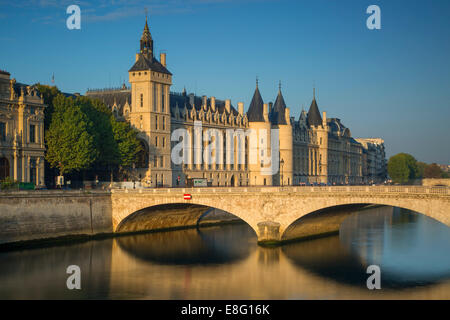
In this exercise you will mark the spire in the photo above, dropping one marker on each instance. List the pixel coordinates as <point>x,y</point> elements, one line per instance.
<point>147,41</point>
<point>279,109</point>
<point>255,112</point>
<point>314,118</point>
<point>257,82</point>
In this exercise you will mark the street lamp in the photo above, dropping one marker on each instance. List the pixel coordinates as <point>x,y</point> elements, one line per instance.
<point>282,164</point>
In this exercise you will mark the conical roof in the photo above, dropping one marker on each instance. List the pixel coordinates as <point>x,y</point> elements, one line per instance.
<point>314,118</point>
<point>279,110</point>
<point>256,110</point>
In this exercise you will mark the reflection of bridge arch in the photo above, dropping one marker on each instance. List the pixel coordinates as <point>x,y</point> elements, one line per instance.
<point>271,210</point>
<point>189,246</point>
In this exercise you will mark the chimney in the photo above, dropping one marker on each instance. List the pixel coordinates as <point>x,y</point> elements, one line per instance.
<point>228,105</point>
<point>163,59</point>
<point>213,104</point>
<point>287,115</point>
<point>137,57</point>
<point>270,106</point>
<point>204,101</point>
<point>324,118</point>
<point>241,108</point>
<point>266,112</point>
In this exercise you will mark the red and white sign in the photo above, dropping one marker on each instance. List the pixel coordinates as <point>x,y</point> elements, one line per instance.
<point>187,196</point>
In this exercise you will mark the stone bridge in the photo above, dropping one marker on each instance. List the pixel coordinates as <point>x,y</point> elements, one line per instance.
<point>270,211</point>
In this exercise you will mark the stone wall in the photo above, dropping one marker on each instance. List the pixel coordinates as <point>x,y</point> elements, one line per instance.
<point>435,182</point>
<point>34,215</point>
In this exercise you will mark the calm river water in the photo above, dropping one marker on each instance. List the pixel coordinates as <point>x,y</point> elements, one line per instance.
<point>225,262</point>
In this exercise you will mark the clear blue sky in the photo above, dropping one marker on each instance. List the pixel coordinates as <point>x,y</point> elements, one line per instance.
<point>392,83</point>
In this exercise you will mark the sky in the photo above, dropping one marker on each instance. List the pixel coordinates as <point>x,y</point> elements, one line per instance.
<point>392,83</point>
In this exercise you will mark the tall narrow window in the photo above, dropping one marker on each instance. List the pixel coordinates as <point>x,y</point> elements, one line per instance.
<point>32,133</point>
<point>155,89</point>
<point>164,123</point>
<point>164,142</point>
<point>142,100</point>
<point>156,141</point>
<point>163,98</point>
<point>2,131</point>
<point>156,122</point>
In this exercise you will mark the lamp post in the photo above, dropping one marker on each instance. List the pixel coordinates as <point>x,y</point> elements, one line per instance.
<point>282,164</point>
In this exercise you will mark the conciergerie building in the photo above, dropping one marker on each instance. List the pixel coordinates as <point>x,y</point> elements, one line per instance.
<point>311,149</point>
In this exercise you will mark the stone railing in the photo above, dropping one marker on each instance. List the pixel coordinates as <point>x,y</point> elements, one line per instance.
<point>297,189</point>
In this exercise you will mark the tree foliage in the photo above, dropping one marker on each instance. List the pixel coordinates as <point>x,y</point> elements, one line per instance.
<point>48,94</point>
<point>83,134</point>
<point>127,142</point>
<point>432,171</point>
<point>402,167</point>
<point>70,143</point>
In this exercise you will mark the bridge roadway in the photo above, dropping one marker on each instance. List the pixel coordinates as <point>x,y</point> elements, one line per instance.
<point>270,211</point>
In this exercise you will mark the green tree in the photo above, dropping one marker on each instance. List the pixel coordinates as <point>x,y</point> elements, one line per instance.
<point>432,171</point>
<point>48,93</point>
<point>102,132</point>
<point>420,168</point>
<point>402,167</point>
<point>127,141</point>
<point>70,144</point>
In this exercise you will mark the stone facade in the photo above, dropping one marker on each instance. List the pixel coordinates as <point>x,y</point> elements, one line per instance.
<point>312,150</point>
<point>375,165</point>
<point>21,131</point>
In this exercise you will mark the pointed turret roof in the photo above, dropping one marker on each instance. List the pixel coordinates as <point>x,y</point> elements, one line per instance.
<point>279,110</point>
<point>314,118</point>
<point>255,112</point>
<point>146,41</point>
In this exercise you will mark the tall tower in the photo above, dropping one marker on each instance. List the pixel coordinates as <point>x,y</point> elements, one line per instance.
<point>318,151</point>
<point>260,153</point>
<point>280,118</point>
<point>150,110</point>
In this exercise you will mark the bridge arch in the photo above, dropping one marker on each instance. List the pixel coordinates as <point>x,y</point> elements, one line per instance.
<point>170,215</point>
<point>325,217</point>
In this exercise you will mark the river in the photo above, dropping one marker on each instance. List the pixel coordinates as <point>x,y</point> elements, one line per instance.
<point>225,262</point>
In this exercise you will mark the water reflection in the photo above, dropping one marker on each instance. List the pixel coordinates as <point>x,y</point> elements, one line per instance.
<point>213,245</point>
<point>410,248</point>
<point>226,263</point>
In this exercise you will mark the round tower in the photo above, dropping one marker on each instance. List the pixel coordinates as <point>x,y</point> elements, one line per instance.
<point>280,118</point>
<point>259,142</point>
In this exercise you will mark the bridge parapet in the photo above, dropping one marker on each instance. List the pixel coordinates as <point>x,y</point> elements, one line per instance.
<point>296,189</point>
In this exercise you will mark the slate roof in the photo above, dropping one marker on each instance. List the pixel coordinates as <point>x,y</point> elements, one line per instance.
<point>255,112</point>
<point>143,64</point>
<point>313,117</point>
<point>120,97</point>
<point>278,115</point>
<point>109,97</point>
<point>192,101</point>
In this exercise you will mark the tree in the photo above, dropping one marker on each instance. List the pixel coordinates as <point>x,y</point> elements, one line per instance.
<point>432,171</point>
<point>127,142</point>
<point>402,167</point>
<point>102,132</point>
<point>420,168</point>
<point>48,93</point>
<point>70,144</point>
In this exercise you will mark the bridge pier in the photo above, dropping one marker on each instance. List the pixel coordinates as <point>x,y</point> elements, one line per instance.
<point>269,233</point>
